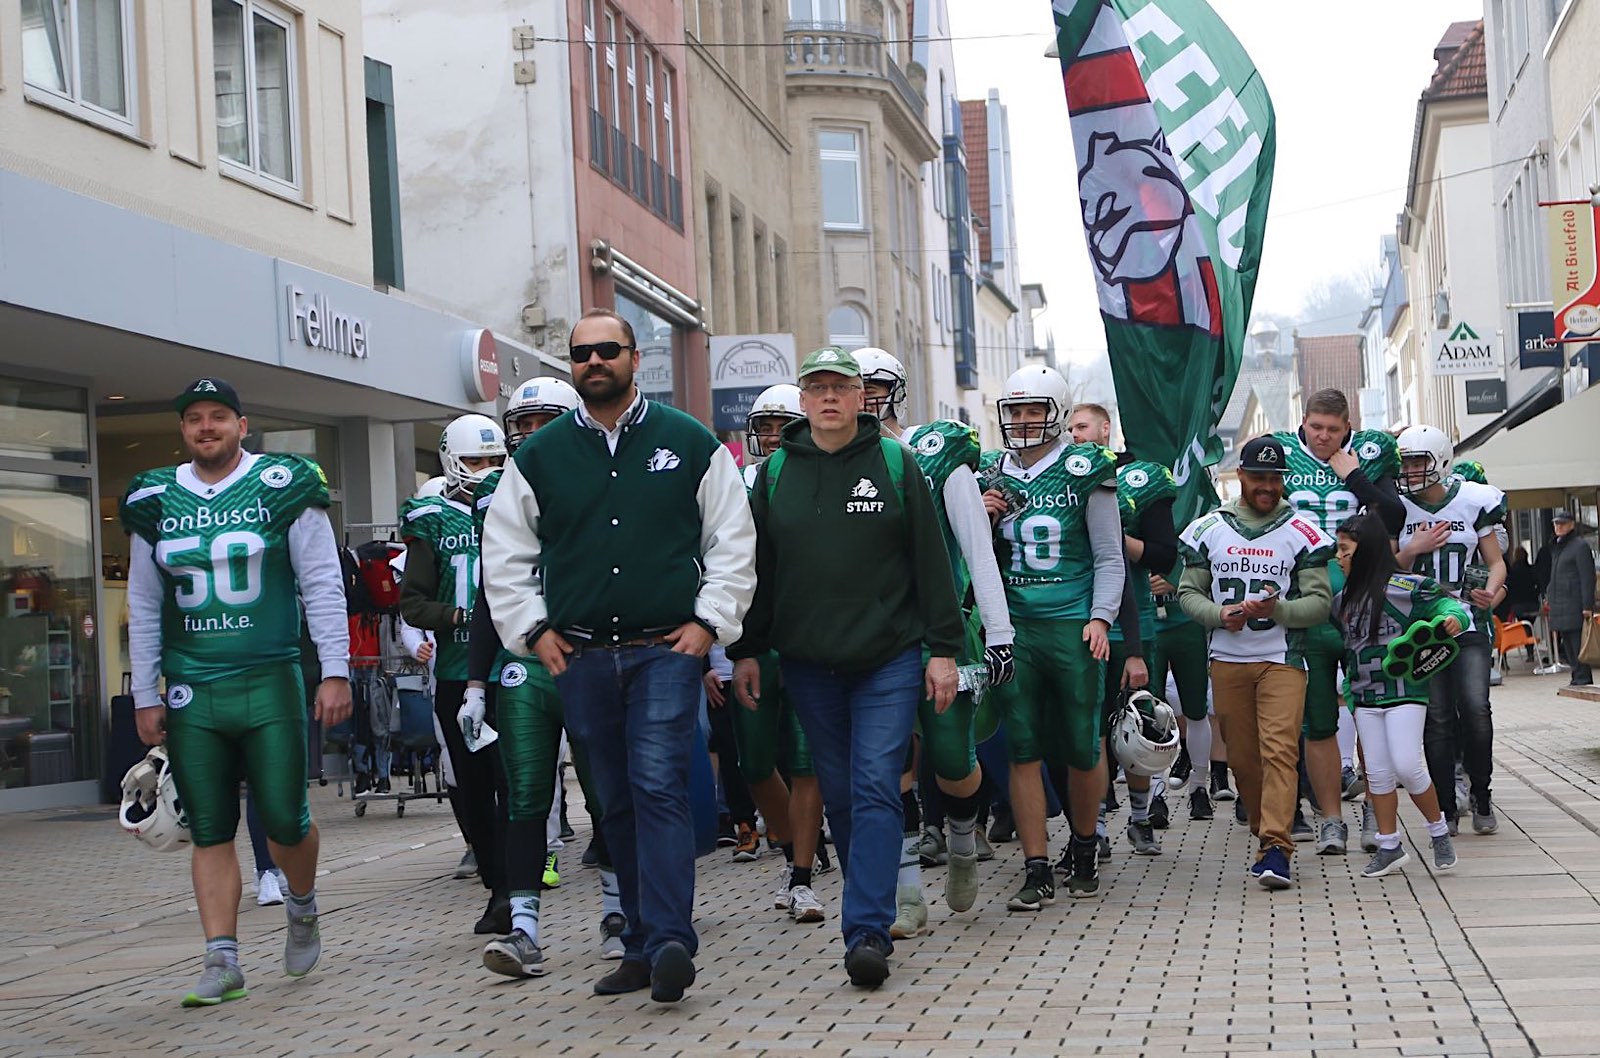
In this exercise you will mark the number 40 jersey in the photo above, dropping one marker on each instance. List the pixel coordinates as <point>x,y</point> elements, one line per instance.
<point>1472,510</point>
<point>1248,563</point>
<point>229,598</point>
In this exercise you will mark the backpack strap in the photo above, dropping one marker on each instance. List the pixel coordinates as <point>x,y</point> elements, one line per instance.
<point>894,454</point>
<point>772,468</point>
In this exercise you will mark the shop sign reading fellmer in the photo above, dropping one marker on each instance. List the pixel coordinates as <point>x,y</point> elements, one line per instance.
<point>742,365</point>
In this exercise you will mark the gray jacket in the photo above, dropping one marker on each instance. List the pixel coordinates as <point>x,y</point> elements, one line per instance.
<point>1571,581</point>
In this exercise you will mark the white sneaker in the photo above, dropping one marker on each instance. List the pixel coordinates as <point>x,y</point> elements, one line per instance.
<point>269,889</point>
<point>780,895</point>
<point>804,905</point>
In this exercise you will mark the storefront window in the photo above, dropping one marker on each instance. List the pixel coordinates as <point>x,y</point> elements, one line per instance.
<point>654,337</point>
<point>43,420</point>
<point>49,673</point>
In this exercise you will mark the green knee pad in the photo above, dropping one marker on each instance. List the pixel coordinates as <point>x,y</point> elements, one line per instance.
<point>253,727</point>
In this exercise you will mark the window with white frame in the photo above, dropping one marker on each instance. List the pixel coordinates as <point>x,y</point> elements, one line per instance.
<point>633,87</point>
<point>816,10</point>
<point>80,52</point>
<point>847,327</point>
<point>611,71</point>
<point>254,67</point>
<point>839,153</point>
<point>650,103</point>
<point>589,54</point>
<point>666,120</point>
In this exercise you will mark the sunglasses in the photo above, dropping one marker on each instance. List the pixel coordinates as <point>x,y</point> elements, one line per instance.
<point>605,350</point>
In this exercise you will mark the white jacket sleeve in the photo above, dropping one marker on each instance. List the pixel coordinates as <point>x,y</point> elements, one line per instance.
<point>727,549</point>
<point>510,551</point>
<point>412,638</point>
<point>963,505</point>
<point>144,623</point>
<point>315,557</point>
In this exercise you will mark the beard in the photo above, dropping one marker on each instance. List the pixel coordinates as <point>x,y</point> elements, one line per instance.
<point>603,387</point>
<point>225,456</point>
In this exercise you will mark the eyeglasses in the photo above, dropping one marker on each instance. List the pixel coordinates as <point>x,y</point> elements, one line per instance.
<point>838,389</point>
<point>606,350</point>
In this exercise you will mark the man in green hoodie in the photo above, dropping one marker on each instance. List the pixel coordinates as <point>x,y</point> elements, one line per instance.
<point>852,580</point>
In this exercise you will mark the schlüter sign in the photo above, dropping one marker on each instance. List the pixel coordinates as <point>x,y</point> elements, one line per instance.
<point>742,365</point>
<point>1574,269</point>
<point>1463,351</point>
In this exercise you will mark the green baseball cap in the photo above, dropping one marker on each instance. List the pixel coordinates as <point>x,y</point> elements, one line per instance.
<point>833,359</point>
<point>214,389</point>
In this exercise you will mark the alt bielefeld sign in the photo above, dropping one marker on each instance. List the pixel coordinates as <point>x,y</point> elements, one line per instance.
<point>1463,351</point>
<point>1574,229</point>
<point>742,365</point>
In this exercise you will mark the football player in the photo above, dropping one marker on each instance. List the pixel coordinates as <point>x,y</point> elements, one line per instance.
<point>225,550</point>
<point>1063,567</point>
<point>947,453</point>
<point>1449,535</point>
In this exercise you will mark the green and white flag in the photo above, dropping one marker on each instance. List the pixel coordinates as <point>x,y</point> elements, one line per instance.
<point>1175,142</point>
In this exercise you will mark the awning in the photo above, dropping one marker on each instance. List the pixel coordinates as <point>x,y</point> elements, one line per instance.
<point>1545,394</point>
<point>1555,451</point>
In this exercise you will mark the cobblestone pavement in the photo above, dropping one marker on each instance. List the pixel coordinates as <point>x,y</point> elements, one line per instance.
<point>1177,957</point>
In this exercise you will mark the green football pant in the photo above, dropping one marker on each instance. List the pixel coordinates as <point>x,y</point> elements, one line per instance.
<point>1052,709</point>
<point>1324,650</point>
<point>252,727</point>
<point>948,739</point>
<point>1183,651</point>
<point>770,732</point>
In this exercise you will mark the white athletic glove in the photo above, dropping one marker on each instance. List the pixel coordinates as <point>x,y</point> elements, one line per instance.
<point>470,715</point>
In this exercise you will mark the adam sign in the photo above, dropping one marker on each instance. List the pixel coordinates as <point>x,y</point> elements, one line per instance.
<point>741,367</point>
<point>1463,352</point>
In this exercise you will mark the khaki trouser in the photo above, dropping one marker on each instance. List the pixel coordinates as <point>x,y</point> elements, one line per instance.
<point>1261,705</point>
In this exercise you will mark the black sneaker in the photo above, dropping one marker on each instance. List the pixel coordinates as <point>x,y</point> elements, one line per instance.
<point>867,962</point>
<point>1182,768</point>
<point>1085,880</point>
<point>468,867</point>
<point>726,838</point>
<point>591,854</point>
<point>383,785</point>
<point>360,784</point>
<point>1240,816</point>
<point>496,917</point>
<point>1221,789</point>
<point>1004,827</point>
<point>1160,814</point>
<point>1200,804</point>
<point>1301,830</point>
<point>1038,889</point>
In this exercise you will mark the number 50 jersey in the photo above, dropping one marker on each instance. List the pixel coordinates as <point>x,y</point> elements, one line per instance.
<point>230,601</point>
<point>1248,563</point>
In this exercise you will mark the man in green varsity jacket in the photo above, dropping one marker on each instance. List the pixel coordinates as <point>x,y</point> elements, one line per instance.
<point>619,546</point>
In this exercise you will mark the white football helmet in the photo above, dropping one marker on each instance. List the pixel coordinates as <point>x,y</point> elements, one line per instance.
<point>547,394</point>
<point>151,810</point>
<point>1430,441</point>
<point>1034,384</point>
<point>434,486</point>
<point>878,365</point>
<point>1144,734</point>
<point>468,436</point>
<point>775,402</point>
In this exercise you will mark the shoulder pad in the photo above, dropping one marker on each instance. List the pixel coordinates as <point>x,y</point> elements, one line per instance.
<point>1096,463</point>
<point>1146,482</point>
<point>940,447</point>
<point>486,487</point>
<point>1315,537</point>
<point>990,457</point>
<point>140,509</point>
<point>297,478</point>
<point>1378,452</point>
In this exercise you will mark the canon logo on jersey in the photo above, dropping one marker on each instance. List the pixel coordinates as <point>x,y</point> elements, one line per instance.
<point>205,518</point>
<point>1254,552</point>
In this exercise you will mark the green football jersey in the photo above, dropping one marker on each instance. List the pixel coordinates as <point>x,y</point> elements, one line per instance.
<point>1140,484</point>
<point>1049,562</point>
<point>1408,598</point>
<point>229,597</point>
<point>449,528</point>
<point>1314,490</point>
<point>940,447</point>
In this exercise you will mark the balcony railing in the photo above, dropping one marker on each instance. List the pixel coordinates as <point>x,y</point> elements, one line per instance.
<point>597,139</point>
<point>846,48</point>
<point>619,156</point>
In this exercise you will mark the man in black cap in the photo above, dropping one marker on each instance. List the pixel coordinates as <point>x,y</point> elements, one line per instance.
<point>1571,593</point>
<point>1256,573</point>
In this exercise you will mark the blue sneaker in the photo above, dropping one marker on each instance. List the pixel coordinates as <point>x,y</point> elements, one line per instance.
<point>1272,869</point>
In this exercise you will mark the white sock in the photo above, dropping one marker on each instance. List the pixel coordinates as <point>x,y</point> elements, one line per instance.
<point>1438,828</point>
<point>525,914</point>
<point>1347,738</point>
<point>1139,806</point>
<point>300,905</point>
<point>1389,841</point>
<point>910,862</point>
<point>1198,740</point>
<point>610,892</point>
<point>963,836</point>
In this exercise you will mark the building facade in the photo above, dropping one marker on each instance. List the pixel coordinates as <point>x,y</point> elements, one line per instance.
<point>1448,250</point>
<point>1575,124</point>
<point>991,191</point>
<point>945,220</point>
<point>857,118</point>
<point>186,191</point>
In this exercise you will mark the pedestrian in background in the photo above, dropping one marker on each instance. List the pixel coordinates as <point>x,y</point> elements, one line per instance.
<point>1571,593</point>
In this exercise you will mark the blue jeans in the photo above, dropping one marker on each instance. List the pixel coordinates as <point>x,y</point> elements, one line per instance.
<point>859,726</point>
<point>1459,721</point>
<point>635,711</point>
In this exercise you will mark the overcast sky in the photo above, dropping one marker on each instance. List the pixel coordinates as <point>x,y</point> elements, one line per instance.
<point>1344,81</point>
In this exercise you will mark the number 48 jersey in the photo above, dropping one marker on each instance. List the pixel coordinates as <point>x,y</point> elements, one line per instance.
<point>229,598</point>
<point>1248,563</point>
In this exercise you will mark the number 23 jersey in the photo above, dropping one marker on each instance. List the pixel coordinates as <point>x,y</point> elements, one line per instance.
<point>1247,563</point>
<point>1473,511</point>
<point>229,597</point>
